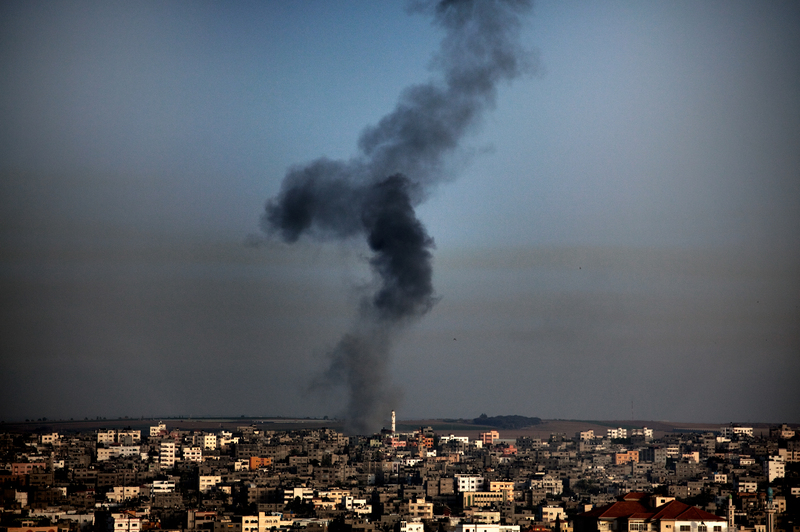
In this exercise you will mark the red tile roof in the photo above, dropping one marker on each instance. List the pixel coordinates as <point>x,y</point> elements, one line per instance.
<point>632,509</point>
<point>636,496</point>
<point>683,512</point>
<point>617,509</point>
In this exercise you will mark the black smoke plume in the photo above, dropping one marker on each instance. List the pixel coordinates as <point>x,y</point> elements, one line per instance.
<point>374,194</point>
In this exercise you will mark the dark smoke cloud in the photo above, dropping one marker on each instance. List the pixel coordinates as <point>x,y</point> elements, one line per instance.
<point>374,194</point>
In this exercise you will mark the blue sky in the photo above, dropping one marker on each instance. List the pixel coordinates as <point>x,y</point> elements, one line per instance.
<point>621,227</point>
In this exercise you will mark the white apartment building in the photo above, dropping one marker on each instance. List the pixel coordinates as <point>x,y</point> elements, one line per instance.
<point>719,478</point>
<point>644,432</point>
<point>158,429</point>
<point>747,485</point>
<point>114,451</point>
<point>465,483</point>
<point>162,486</point>
<point>774,468</point>
<point>209,441</point>
<point>359,506</point>
<point>123,522</point>
<point>126,437</point>
<point>411,526</point>
<point>122,493</point>
<point>617,433</point>
<point>734,430</point>
<point>451,437</point>
<point>129,436</point>
<point>226,438</point>
<point>106,436</point>
<point>550,484</point>
<point>672,451</point>
<point>263,522</point>
<point>478,527</point>
<point>167,454</point>
<point>207,482</point>
<point>192,454</point>
<point>290,494</point>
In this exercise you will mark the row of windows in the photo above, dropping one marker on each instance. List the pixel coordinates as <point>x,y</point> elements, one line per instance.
<point>683,528</point>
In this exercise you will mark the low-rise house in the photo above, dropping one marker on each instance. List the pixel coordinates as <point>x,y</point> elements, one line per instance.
<point>639,511</point>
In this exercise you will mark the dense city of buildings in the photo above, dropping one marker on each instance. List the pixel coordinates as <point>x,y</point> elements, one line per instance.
<point>255,480</point>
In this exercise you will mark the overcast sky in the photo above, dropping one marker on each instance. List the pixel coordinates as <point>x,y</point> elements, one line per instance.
<point>618,237</point>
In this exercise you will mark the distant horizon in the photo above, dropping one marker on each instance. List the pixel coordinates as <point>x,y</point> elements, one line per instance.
<point>400,420</point>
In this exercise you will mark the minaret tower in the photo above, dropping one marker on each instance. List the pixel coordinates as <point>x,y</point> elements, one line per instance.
<point>770,512</point>
<point>393,419</point>
<point>730,513</point>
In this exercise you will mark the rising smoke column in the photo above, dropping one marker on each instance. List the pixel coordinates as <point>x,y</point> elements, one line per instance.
<point>373,195</point>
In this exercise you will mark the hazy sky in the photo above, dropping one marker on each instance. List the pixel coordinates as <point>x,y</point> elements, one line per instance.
<point>623,228</point>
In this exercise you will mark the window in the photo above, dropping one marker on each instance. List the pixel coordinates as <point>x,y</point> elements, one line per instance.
<point>685,528</point>
<point>717,528</point>
<point>702,528</point>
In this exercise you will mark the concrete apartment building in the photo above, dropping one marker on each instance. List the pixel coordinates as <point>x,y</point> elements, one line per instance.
<point>617,433</point>
<point>489,438</point>
<point>167,454</point>
<point>466,483</point>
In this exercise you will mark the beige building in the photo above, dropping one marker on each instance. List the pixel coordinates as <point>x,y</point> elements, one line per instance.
<point>504,487</point>
<point>418,508</point>
<point>481,499</point>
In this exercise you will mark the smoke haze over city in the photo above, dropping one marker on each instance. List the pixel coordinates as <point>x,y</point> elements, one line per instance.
<point>616,226</point>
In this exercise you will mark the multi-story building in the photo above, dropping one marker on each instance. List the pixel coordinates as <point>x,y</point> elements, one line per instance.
<point>653,454</point>
<point>106,436</point>
<point>209,441</point>
<point>736,430</point>
<point>192,454</point>
<point>481,499</point>
<point>488,438</point>
<point>485,527</point>
<point>302,492</point>
<point>162,486</point>
<point>129,436</point>
<point>505,487</point>
<point>618,433</point>
<point>774,467</point>
<point>411,526</point>
<point>549,513</point>
<point>466,483</point>
<point>124,522</point>
<point>167,454</point>
<point>643,432</point>
<point>418,508</point>
<point>49,439</point>
<point>746,485</point>
<point>207,482</point>
<point>626,457</point>
<point>122,493</point>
